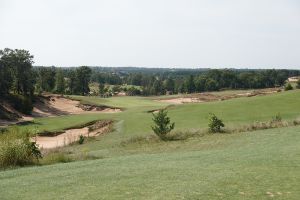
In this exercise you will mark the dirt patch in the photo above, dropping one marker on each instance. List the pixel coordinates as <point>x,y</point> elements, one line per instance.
<point>72,135</point>
<point>182,100</point>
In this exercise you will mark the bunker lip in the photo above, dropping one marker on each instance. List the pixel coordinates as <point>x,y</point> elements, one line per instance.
<point>67,137</point>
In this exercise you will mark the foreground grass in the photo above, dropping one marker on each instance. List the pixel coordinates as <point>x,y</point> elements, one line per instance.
<point>256,165</point>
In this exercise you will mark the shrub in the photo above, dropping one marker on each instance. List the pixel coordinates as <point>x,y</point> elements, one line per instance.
<point>81,139</point>
<point>16,149</point>
<point>215,124</point>
<point>162,126</point>
<point>288,87</point>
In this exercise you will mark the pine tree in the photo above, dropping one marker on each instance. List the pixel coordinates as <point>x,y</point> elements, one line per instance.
<point>162,124</point>
<point>59,82</point>
<point>190,84</point>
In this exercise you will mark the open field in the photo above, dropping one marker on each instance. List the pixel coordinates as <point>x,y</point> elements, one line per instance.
<point>256,165</point>
<point>132,164</point>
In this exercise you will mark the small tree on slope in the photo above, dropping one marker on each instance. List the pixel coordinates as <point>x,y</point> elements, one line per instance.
<point>215,124</point>
<point>162,124</point>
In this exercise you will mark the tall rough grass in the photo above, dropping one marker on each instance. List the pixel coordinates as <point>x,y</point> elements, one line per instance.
<point>16,149</point>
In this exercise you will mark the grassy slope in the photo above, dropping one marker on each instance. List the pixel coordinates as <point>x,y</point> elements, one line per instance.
<point>135,120</point>
<point>239,111</point>
<point>236,166</point>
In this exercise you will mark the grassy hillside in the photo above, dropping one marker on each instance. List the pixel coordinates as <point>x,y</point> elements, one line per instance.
<point>136,120</point>
<point>256,165</point>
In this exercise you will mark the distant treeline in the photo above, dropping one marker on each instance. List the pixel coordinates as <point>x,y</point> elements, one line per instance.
<point>19,77</point>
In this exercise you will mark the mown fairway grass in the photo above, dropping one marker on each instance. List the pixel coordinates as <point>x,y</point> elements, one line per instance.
<point>255,165</point>
<point>136,120</point>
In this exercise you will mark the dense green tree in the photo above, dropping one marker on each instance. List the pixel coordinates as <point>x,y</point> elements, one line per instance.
<point>116,89</point>
<point>133,91</point>
<point>59,82</point>
<point>71,82</point>
<point>83,75</point>
<point>101,89</point>
<point>190,84</point>
<point>46,78</point>
<point>18,63</point>
<point>211,85</point>
<point>200,84</point>
<point>5,79</point>
<point>157,88</point>
<point>170,85</point>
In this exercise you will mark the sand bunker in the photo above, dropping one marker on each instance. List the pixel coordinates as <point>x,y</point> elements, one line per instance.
<point>57,105</point>
<point>208,97</point>
<point>181,100</point>
<point>70,136</point>
<point>54,105</point>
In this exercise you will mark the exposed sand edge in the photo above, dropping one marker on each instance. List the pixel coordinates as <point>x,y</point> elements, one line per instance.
<point>70,136</point>
<point>208,97</point>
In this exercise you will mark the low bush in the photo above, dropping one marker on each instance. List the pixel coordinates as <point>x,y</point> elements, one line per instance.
<point>288,87</point>
<point>215,124</point>
<point>81,139</point>
<point>16,149</point>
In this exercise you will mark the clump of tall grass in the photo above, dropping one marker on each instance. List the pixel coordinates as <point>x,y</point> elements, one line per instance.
<point>61,155</point>
<point>16,149</point>
<point>57,155</point>
<point>173,136</point>
<point>276,122</point>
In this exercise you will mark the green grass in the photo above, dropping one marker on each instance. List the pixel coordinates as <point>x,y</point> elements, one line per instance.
<point>238,111</point>
<point>222,166</point>
<point>124,102</point>
<point>250,165</point>
<point>135,120</point>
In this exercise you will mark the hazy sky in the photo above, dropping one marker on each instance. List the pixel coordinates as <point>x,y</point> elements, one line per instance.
<point>155,33</point>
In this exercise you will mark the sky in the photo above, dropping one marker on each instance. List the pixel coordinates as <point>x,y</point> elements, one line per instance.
<point>155,33</point>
